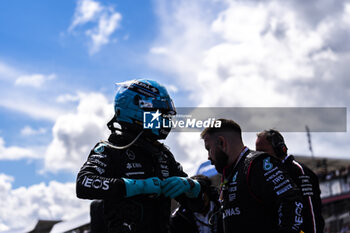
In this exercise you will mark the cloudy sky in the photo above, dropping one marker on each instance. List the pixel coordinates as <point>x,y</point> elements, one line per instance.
<point>59,61</point>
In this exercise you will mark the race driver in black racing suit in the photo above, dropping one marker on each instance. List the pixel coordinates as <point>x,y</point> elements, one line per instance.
<point>132,172</point>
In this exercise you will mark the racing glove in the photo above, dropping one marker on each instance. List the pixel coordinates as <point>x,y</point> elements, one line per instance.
<point>135,187</point>
<point>175,186</point>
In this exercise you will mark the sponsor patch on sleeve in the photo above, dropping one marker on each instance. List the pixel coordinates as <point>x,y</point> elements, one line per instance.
<point>100,148</point>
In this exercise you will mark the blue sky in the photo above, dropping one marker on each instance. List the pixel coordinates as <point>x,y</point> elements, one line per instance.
<point>59,61</point>
<point>34,37</point>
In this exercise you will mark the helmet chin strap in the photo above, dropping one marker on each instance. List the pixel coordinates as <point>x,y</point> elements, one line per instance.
<point>123,147</point>
<point>113,129</point>
<point>110,124</point>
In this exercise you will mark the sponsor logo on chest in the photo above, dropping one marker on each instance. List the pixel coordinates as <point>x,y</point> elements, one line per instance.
<point>133,165</point>
<point>131,155</point>
<point>234,211</point>
<point>279,181</point>
<point>232,188</point>
<point>163,163</point>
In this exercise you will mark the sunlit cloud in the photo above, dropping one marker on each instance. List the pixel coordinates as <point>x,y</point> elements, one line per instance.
<point>254,54</point>
<point>34,108</point>
<point>34,80</point>
<point>29,131</point>
<point>86,11</point>
<point>105,22</point>
<point>16,153</point>
<point>54,201</point>
<point>74,134</point>
<point>67,98</point>
<point>7,72</point>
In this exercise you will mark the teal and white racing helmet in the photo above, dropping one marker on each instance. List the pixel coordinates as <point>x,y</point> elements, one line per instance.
<point>144,105</point>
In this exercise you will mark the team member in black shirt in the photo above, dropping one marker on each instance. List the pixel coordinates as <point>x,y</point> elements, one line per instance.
<point>257,195</point>
<point>272,142</point>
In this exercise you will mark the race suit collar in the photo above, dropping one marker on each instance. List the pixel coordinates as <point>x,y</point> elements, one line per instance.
<point>288,158</point>
<point>122,139</point>
<point>227,171</point>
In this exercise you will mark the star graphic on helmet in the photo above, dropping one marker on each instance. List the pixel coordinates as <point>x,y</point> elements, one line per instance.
<point>156,115</point>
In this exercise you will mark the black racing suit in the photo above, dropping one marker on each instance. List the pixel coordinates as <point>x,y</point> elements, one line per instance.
<point>100,178</point>
<point>97,220</point>
<point>308,183</point>
<point>258,196</point>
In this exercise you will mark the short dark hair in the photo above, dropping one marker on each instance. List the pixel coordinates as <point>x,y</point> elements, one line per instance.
<point>276,140</point>
<point>271,135</point>
<point>207,187</point>
<point>227,125</point>
<point>202,178</point>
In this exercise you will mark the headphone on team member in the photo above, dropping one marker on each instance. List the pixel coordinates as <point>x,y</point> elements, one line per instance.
<point>277,142</point>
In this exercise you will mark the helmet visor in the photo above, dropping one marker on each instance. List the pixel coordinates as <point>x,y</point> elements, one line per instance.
<point>166,106</point>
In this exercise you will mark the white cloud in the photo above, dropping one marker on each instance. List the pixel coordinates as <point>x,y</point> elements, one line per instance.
<point>74,134</point>
<point>255,54</point>
<point>33,80</point>
<point>86,11</point>
<point>106,26</point>
<point>171,88</point>
<point>239,49</point>
<point>159,50</point>
<point>55,201</point>
<point>188,149</point>
<point>34,102</point>
<point>29,131</point>
<point>7,72</point>
<point>346,15</point>
<point>67,98</point>
<point>106,21</point>
<point>5,183</point>
<point>37,109</point>
<point>16,153</point>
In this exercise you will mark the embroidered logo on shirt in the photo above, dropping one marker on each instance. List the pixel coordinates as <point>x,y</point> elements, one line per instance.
<point>234,177</point>
<point>267,165</point>
<point>100,148</point>
<point>131,155</point>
